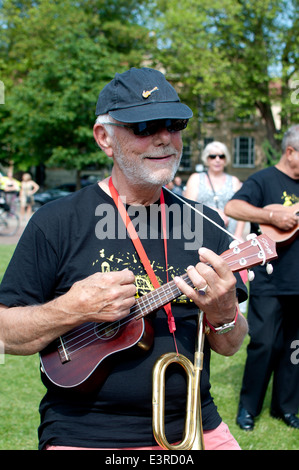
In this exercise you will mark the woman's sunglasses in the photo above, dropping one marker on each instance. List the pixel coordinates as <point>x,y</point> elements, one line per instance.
<point>215,156</point>
<point>147,128</point>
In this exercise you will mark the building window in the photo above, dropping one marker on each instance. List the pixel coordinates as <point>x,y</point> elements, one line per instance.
<point>244,152</point>
<point>185,164</point>
<point>207,140</point>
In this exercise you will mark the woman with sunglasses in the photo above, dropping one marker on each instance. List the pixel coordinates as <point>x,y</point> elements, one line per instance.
<point>214,187</point>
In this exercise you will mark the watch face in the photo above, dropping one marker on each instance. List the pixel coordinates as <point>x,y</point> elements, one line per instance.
<point>224,329</point>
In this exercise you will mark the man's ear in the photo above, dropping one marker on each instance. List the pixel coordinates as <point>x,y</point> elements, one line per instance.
<point>103,139</point>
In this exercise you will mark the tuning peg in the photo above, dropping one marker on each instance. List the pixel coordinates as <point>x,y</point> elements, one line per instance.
<point>269,268</point>
<point>234,243</point>
<point>251,236</point>
<point>250,275</point>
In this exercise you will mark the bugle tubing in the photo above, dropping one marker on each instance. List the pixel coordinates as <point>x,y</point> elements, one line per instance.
<point>193,435</point>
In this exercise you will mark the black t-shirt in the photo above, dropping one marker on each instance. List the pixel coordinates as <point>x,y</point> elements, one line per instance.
<point>70,239</point>
<point>272,186</point>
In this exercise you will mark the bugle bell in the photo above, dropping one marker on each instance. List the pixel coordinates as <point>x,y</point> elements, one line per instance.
<point>193,435</point>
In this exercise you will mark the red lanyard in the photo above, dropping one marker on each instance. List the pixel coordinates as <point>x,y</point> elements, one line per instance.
<point>139,248</point>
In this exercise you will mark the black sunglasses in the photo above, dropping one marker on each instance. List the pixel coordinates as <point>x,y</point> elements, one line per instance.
<point>215,156</point>
<point>147,128</point>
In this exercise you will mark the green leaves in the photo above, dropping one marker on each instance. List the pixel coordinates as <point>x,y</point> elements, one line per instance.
<point>235,51</point>
<point>55,57</point>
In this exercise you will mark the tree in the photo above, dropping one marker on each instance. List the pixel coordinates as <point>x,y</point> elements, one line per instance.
<point>56,56</point>
<point>236,51</point>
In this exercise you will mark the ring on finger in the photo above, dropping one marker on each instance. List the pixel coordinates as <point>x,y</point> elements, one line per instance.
<point>202,290</point>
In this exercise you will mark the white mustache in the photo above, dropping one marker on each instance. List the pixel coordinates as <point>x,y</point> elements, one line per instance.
<point>165,151</point>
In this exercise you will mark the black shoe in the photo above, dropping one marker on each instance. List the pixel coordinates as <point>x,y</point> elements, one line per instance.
<point>245,419</point>
<point>289,418</point>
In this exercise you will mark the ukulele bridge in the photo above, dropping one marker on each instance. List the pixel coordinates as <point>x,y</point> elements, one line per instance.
<point>63,354</point>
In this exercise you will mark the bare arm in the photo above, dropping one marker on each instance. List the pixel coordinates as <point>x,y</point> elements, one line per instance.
<point>239,230</point>
<point>240,224</point>
<point>35,187</point>
<point>219,302</point>
<point>191,191</point>
<point>242,210</point>
<point>229,343</point>
<point>99,297</point>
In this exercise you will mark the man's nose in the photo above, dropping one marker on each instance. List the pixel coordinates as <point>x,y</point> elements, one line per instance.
<point>162,136</point>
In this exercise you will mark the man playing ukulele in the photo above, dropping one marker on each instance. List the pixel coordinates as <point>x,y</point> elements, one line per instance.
<point>265,199</point>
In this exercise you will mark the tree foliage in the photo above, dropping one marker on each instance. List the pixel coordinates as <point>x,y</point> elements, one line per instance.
<point>55,57</point>
<point>244,52</point>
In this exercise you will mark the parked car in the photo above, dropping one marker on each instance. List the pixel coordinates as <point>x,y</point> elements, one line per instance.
<point>41,198</point>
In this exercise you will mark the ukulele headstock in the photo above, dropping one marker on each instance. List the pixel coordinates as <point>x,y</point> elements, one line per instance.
<point>254,251</point>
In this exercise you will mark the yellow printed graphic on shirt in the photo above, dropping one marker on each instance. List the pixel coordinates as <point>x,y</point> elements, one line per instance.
<point>130,260</point>
<point>289,199</point>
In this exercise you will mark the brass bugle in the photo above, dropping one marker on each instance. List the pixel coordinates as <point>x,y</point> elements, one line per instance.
<point>192,438</point>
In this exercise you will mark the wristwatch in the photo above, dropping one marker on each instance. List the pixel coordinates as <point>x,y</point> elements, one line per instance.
<point>225,328</point>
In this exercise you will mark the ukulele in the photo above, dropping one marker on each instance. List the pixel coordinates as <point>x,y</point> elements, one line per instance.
<point>281,237</point>
<point>82,355</point>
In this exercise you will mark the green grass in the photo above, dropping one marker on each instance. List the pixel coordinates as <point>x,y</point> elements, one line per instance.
<point>6,252</point>
<point>21,391</point>
<point>268,433</point>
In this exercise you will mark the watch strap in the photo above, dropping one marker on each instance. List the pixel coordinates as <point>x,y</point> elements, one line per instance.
<point>221,329</point>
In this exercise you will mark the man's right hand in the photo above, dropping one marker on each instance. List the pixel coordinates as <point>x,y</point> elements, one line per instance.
<point>283,219</point>
<point>100,297</point>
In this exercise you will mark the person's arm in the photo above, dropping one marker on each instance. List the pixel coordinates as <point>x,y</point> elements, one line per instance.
<point>191,190</point>
<point>219,302</point>
<point>239,230</point>
<point>242,210</point>
<point>240,224</point>
<point>100,297</point>
<point>229,343</point>
<point>35,187</point>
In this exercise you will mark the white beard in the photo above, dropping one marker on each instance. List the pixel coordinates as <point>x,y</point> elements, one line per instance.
<point>135,173</point>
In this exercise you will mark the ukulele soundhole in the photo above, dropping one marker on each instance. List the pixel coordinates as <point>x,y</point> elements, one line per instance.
<point>106,331</point>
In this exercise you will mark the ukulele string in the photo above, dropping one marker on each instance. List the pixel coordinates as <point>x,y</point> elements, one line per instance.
<point>119,323</point>
<point>197,211</point>
<point>136,309</point>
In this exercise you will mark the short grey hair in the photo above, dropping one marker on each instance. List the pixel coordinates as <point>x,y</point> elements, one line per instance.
<point>222,149</point>
<point>102,119</point>
<point>291,138</point>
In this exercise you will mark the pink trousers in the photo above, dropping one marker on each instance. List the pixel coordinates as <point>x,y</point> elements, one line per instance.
<point>216,439</point>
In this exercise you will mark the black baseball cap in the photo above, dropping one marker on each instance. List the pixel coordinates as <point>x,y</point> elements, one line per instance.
<point>139,95</point>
